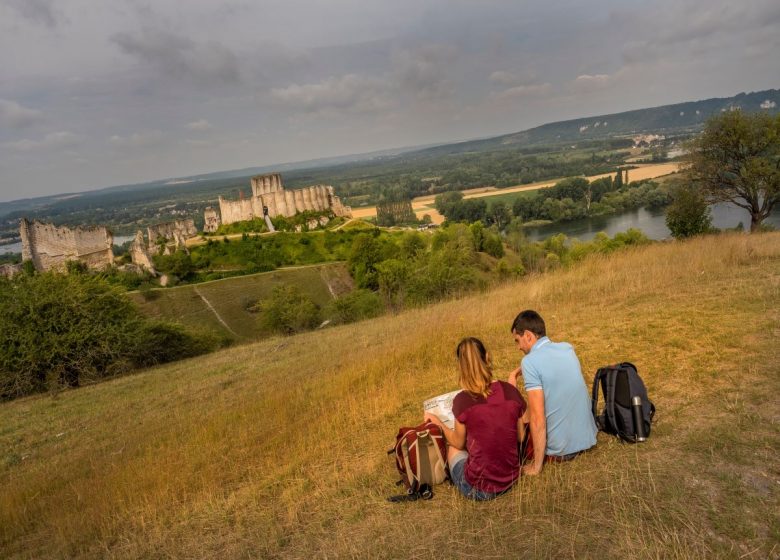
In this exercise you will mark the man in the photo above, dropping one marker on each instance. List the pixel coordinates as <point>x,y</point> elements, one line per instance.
<point>559,405</point>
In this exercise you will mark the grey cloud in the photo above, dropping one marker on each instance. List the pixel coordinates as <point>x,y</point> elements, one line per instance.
<point>349,93</point>
<point>137,139</point>
<point>423,71</point>
<point>585,83</point>
<point>200,125</point>
<point>503,78</point>
<point>37,11</point>
<point>53,140</point>
<point>181,57</point>
<point>520,92</point>
<point>672,25</point>
<point>14,115</point>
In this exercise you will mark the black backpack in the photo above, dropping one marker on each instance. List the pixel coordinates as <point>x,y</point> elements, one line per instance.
<point>619,384</point>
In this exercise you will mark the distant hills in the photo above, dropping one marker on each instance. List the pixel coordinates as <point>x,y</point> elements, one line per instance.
<point>678,118</point>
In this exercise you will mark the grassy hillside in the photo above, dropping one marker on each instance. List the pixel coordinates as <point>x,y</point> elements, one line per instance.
<point>277,449</point>
<point>222,305</point>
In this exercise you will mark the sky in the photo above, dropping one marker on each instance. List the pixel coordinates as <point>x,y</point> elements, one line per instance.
<point>96,93</point>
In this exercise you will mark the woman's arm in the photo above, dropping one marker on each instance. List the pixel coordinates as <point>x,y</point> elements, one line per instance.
<point>456,438</point>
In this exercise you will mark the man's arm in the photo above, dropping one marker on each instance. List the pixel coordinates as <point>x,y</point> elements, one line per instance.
<point>457,437</point>
<point>514,374</point>
<point>538,430</point>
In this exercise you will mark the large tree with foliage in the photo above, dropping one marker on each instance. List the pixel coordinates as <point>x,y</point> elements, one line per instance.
<point>737,159</point>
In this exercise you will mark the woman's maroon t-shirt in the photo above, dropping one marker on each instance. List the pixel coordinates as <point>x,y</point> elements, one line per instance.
<point>491,435</point>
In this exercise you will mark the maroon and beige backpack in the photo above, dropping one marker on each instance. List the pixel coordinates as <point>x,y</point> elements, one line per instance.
<point>421,458</point>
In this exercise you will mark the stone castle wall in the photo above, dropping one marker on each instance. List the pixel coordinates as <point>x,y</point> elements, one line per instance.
<point>139,253</point>
<point>268,192</point>
<point>164,238</point>
<point>211,221</point>
<point>264,184</point>
<point>172,231</point>
<point>236,210</point>
<point>49,247</point>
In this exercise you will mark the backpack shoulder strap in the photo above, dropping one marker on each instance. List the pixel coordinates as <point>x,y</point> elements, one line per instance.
<point>595,396</point>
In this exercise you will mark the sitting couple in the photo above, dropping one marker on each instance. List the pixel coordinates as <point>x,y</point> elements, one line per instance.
<point>491,417</point>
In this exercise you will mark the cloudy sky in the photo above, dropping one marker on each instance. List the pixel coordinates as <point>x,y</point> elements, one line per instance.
<point>96,93</point>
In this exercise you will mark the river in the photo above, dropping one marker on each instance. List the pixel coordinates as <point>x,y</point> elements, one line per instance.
<point>651,222</point>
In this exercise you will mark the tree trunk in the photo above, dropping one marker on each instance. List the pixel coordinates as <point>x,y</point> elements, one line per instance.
<point>755,221</point>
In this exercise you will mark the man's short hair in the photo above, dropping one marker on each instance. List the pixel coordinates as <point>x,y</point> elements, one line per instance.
<point>529,320</point>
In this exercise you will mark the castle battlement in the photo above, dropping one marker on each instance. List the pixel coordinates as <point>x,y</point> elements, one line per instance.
<point>270,197</point>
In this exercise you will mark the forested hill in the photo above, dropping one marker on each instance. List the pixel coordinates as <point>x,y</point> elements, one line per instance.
<point>666,119</point>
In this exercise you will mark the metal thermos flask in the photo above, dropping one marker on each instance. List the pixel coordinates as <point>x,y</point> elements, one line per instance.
<point>639,423</point>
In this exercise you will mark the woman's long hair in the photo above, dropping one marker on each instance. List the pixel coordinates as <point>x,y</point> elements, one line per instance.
<point>475,371</point>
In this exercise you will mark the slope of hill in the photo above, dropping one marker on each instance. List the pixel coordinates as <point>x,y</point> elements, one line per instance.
<point>676,118</point>
<point>277,449</point>
<point>222,306</point>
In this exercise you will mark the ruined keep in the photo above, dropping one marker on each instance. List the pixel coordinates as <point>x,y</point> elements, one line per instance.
<point>50,247</point>
<point>170,235</point>
<point>211,221</point>
<point>269,197</point>
<point>164,238</point>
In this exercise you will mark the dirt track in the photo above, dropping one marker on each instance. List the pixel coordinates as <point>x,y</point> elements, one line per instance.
<point>421,204</point>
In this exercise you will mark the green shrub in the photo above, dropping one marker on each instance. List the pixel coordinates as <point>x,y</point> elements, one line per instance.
<point>355,306</point>
<point>61,330</point>
<point>689,213</point>
<point>158,342</point>
<point>66,330</point>
<point>289,311</point>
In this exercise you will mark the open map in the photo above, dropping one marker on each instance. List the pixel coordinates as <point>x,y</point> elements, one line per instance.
<point>441,406</point>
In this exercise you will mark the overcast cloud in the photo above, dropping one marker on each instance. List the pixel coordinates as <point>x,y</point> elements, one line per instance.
<point>100,93</point>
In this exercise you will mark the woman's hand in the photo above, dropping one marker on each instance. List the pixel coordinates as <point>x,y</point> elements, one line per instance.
<point>429,417</point>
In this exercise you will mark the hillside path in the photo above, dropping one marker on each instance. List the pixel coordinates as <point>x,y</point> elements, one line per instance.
<point>217,315</point>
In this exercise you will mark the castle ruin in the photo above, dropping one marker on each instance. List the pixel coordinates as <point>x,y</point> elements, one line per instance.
<point>165,238</point>
<point>269,198</point>
<point>50,247</point>
<point>211,221</point>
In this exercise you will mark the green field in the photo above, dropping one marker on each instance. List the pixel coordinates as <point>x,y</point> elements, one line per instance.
<point>222,305</point>
<point>277,449</point>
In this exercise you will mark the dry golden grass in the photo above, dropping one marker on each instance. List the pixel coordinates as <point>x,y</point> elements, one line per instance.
<point>277,449</point>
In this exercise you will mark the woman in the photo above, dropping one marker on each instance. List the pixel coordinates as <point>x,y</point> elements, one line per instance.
<point>489,422</point>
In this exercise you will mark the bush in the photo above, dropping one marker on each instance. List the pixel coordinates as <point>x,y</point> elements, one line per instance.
<point>158,342</point>
<point>61,330</point>
<point>688,214</point>
<point>289,311</point>
<point>355,306</point>
<point>66,330</point>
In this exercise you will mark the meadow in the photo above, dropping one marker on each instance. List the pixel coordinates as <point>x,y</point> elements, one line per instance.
<point>224,306</point>
<point>277,449</point>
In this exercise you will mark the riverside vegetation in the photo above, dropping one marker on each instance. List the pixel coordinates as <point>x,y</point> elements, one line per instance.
<point>231,454</point>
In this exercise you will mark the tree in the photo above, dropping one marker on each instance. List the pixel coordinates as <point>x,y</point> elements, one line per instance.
<point>736,159</point>
<point>499,214</point>
<point>63,330</point>
<point>365,253</point>
<point>689,213</point>
<point>289,310</point>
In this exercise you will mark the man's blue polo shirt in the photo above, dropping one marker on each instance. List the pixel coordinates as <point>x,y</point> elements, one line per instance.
<point>555,368</point>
